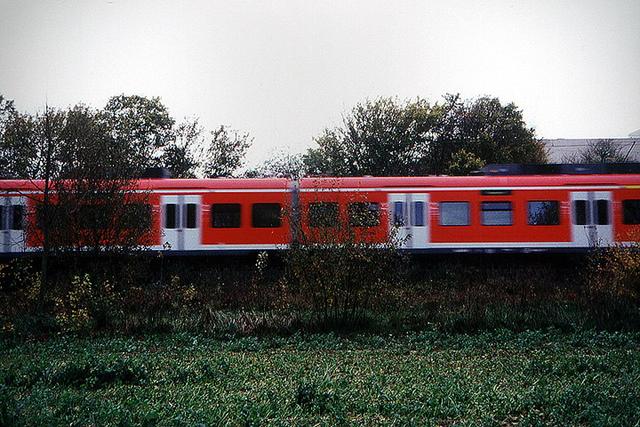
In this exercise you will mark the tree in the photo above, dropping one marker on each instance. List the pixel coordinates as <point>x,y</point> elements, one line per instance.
<point>599,151</point>
<point>492,132</point>
<point>386,137</point>
<point>225,152</point>
<point>182,155</point>
<point>142,126</point>
<point>381,137</point>
<point>281,164</point>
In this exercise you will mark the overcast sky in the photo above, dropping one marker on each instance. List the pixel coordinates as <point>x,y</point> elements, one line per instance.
<point>284,70</point>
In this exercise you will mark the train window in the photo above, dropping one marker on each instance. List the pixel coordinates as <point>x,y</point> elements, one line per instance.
<point>418,214</point>
<point>225,215</point>
<point>323,214</point>
<point>631,211</point>
<point>93,217</point>
<point>398,214</point>
<point>601,209</point>
<point>454,213</point>
<point>364,214</point>
<point>136,216</point>
<point>266,215</point>
<point>2,226</point>
<point>191,215</point>
<point>497,213</point>
<point>545,212</point>
<point>580,212</point>
<point>17,217</point>
<point>170,215</point>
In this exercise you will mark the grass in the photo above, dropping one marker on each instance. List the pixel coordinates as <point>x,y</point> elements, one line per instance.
<point>499,377</point>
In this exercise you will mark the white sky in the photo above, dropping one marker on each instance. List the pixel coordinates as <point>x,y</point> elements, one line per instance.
<point>284,70</point>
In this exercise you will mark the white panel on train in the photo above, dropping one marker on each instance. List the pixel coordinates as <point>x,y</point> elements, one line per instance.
<point>180,216</point>
<point>591,218</point>
<point>12,214</point>
<point>409,217</point>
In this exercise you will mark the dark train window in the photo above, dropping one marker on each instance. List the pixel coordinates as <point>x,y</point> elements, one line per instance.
<point>266,215</point>
<point>136,216</point>
<point>191,215</point>
<point>51,214</point>
<point>454,213</point>
<point>418,214</point>
<point>545,212</point>
<point>225,215</point>
<point>631,211</point>
<point>323,214</point>
<point>602,212</point>
<point>17,217</point>
<point>580,212</point>
<point>364,214</point>
<point>497,213</point>
<point>398,214</point>
<point>170,215</point>
<point>93,217</point>
<point>2,226</point>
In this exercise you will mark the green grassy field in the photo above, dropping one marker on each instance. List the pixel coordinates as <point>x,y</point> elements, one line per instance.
<point>501,377</point>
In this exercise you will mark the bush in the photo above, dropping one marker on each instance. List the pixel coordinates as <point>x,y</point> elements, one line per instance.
<point>340,272</point>
<point>613,279</point>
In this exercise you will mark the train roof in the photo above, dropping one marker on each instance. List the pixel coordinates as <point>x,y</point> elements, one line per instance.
<point>171,184</point>
<point>471,181</point>
<point>359,182</point>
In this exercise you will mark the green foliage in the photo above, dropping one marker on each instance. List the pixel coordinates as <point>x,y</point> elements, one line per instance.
<point>225,152</point>
<point>427,378</point>
<point>141,125</point>
<point>386,137</point>
<point>280,165</point>
<point>182,155</point>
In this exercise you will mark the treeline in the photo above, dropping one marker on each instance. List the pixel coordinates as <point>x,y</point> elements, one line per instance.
<point>337,279</point>
<point>380,137</point>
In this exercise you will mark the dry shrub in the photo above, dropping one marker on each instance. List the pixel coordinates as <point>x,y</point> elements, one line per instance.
<point>613,279</point>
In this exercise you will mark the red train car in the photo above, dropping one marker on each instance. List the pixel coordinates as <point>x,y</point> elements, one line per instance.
<point>521,212</point>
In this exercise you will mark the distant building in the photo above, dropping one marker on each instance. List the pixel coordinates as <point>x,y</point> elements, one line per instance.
<point>560,149</point>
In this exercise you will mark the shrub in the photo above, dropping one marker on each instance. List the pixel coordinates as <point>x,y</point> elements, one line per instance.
<point>340,271</point>
<point>613,279</point>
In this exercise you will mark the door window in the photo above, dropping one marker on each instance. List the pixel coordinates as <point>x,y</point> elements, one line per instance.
<point>170,215</point>
<point>398,214</point>
<point>580,212</point>
<point>418,214</point>
<point>602,211</point>
<point>191,220</point>
<point>17,217</point>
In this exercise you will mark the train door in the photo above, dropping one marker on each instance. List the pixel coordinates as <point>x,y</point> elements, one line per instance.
<point>408,215</point>
<point>591,218</point>
<point>181,222</point>
<point>12,238</point>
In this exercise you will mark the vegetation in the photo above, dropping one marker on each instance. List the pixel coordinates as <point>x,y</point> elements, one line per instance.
<point>529,378</point>
<point>600,151</point>
<point>387,138</point>
<point>243,340</point>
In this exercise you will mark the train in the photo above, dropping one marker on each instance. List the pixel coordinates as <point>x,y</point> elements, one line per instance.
<point>504,208</point>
